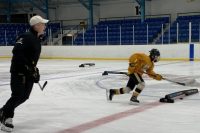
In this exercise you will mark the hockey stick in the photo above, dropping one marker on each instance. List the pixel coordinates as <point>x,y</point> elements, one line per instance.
<point>169,80</point>
<point>43,86</point>
<point>115,72</point>
<point>184,84</point>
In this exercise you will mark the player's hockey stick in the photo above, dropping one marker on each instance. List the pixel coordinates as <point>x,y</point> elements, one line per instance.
<point>184,84</point>
<point>115,72</point>
<point>43,86</point>
<point>179,83</point>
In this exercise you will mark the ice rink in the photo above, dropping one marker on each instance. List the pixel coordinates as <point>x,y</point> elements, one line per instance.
<point>74,100</point>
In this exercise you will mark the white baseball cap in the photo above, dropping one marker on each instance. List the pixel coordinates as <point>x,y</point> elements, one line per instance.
<point>37,19</point>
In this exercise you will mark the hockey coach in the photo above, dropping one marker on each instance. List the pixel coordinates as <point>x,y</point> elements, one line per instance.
<point>24,71</point>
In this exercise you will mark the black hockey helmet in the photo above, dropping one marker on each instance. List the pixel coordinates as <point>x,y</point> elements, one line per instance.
<point>154,55</point>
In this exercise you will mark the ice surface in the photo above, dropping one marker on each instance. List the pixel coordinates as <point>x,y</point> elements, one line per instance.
<point>74,100</point>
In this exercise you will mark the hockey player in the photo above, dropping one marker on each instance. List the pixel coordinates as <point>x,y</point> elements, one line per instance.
<point>24,71</point>
<point>139,63</point>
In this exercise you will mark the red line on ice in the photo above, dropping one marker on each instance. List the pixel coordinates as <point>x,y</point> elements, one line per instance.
<point>92,124</point>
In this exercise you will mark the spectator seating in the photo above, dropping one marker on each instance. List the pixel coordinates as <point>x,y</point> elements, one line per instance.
<point>9,32</point>
<point>127,31</point>
<point>183,30</point>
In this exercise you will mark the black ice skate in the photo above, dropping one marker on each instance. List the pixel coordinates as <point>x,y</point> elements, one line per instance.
<point>110,94</point>
<point>134,100</point>
<point>7,125</point>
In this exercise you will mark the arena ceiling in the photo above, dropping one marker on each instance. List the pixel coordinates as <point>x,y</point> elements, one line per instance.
<point>94,1</point>
<point>52,3</point>
<point>24,4</point>
<point>61,1</point>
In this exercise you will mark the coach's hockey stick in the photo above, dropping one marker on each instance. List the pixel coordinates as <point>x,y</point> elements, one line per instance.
<point>43,86</point>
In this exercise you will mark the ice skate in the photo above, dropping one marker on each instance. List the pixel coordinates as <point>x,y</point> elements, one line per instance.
<point>110,94</point>
<point>7,125</point>
<point>134,101</point>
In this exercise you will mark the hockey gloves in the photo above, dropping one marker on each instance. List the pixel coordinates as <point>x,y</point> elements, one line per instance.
<point>33,72</point>
<point>157,77</point>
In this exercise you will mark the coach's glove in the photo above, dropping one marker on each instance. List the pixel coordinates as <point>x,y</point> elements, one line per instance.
<point>33,72</point>
<point>157,77</point>
<point>36,75</point>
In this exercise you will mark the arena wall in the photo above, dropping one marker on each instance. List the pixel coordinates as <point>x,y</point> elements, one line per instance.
<point>110,52</point>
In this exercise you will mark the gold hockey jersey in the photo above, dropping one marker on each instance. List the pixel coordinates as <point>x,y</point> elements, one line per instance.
<point>141,63</point>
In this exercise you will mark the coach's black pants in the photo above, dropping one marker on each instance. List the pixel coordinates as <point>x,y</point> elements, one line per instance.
<point>21,87</point>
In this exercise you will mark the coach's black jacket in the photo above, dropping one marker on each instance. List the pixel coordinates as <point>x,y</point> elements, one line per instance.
<point>26,52</point>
